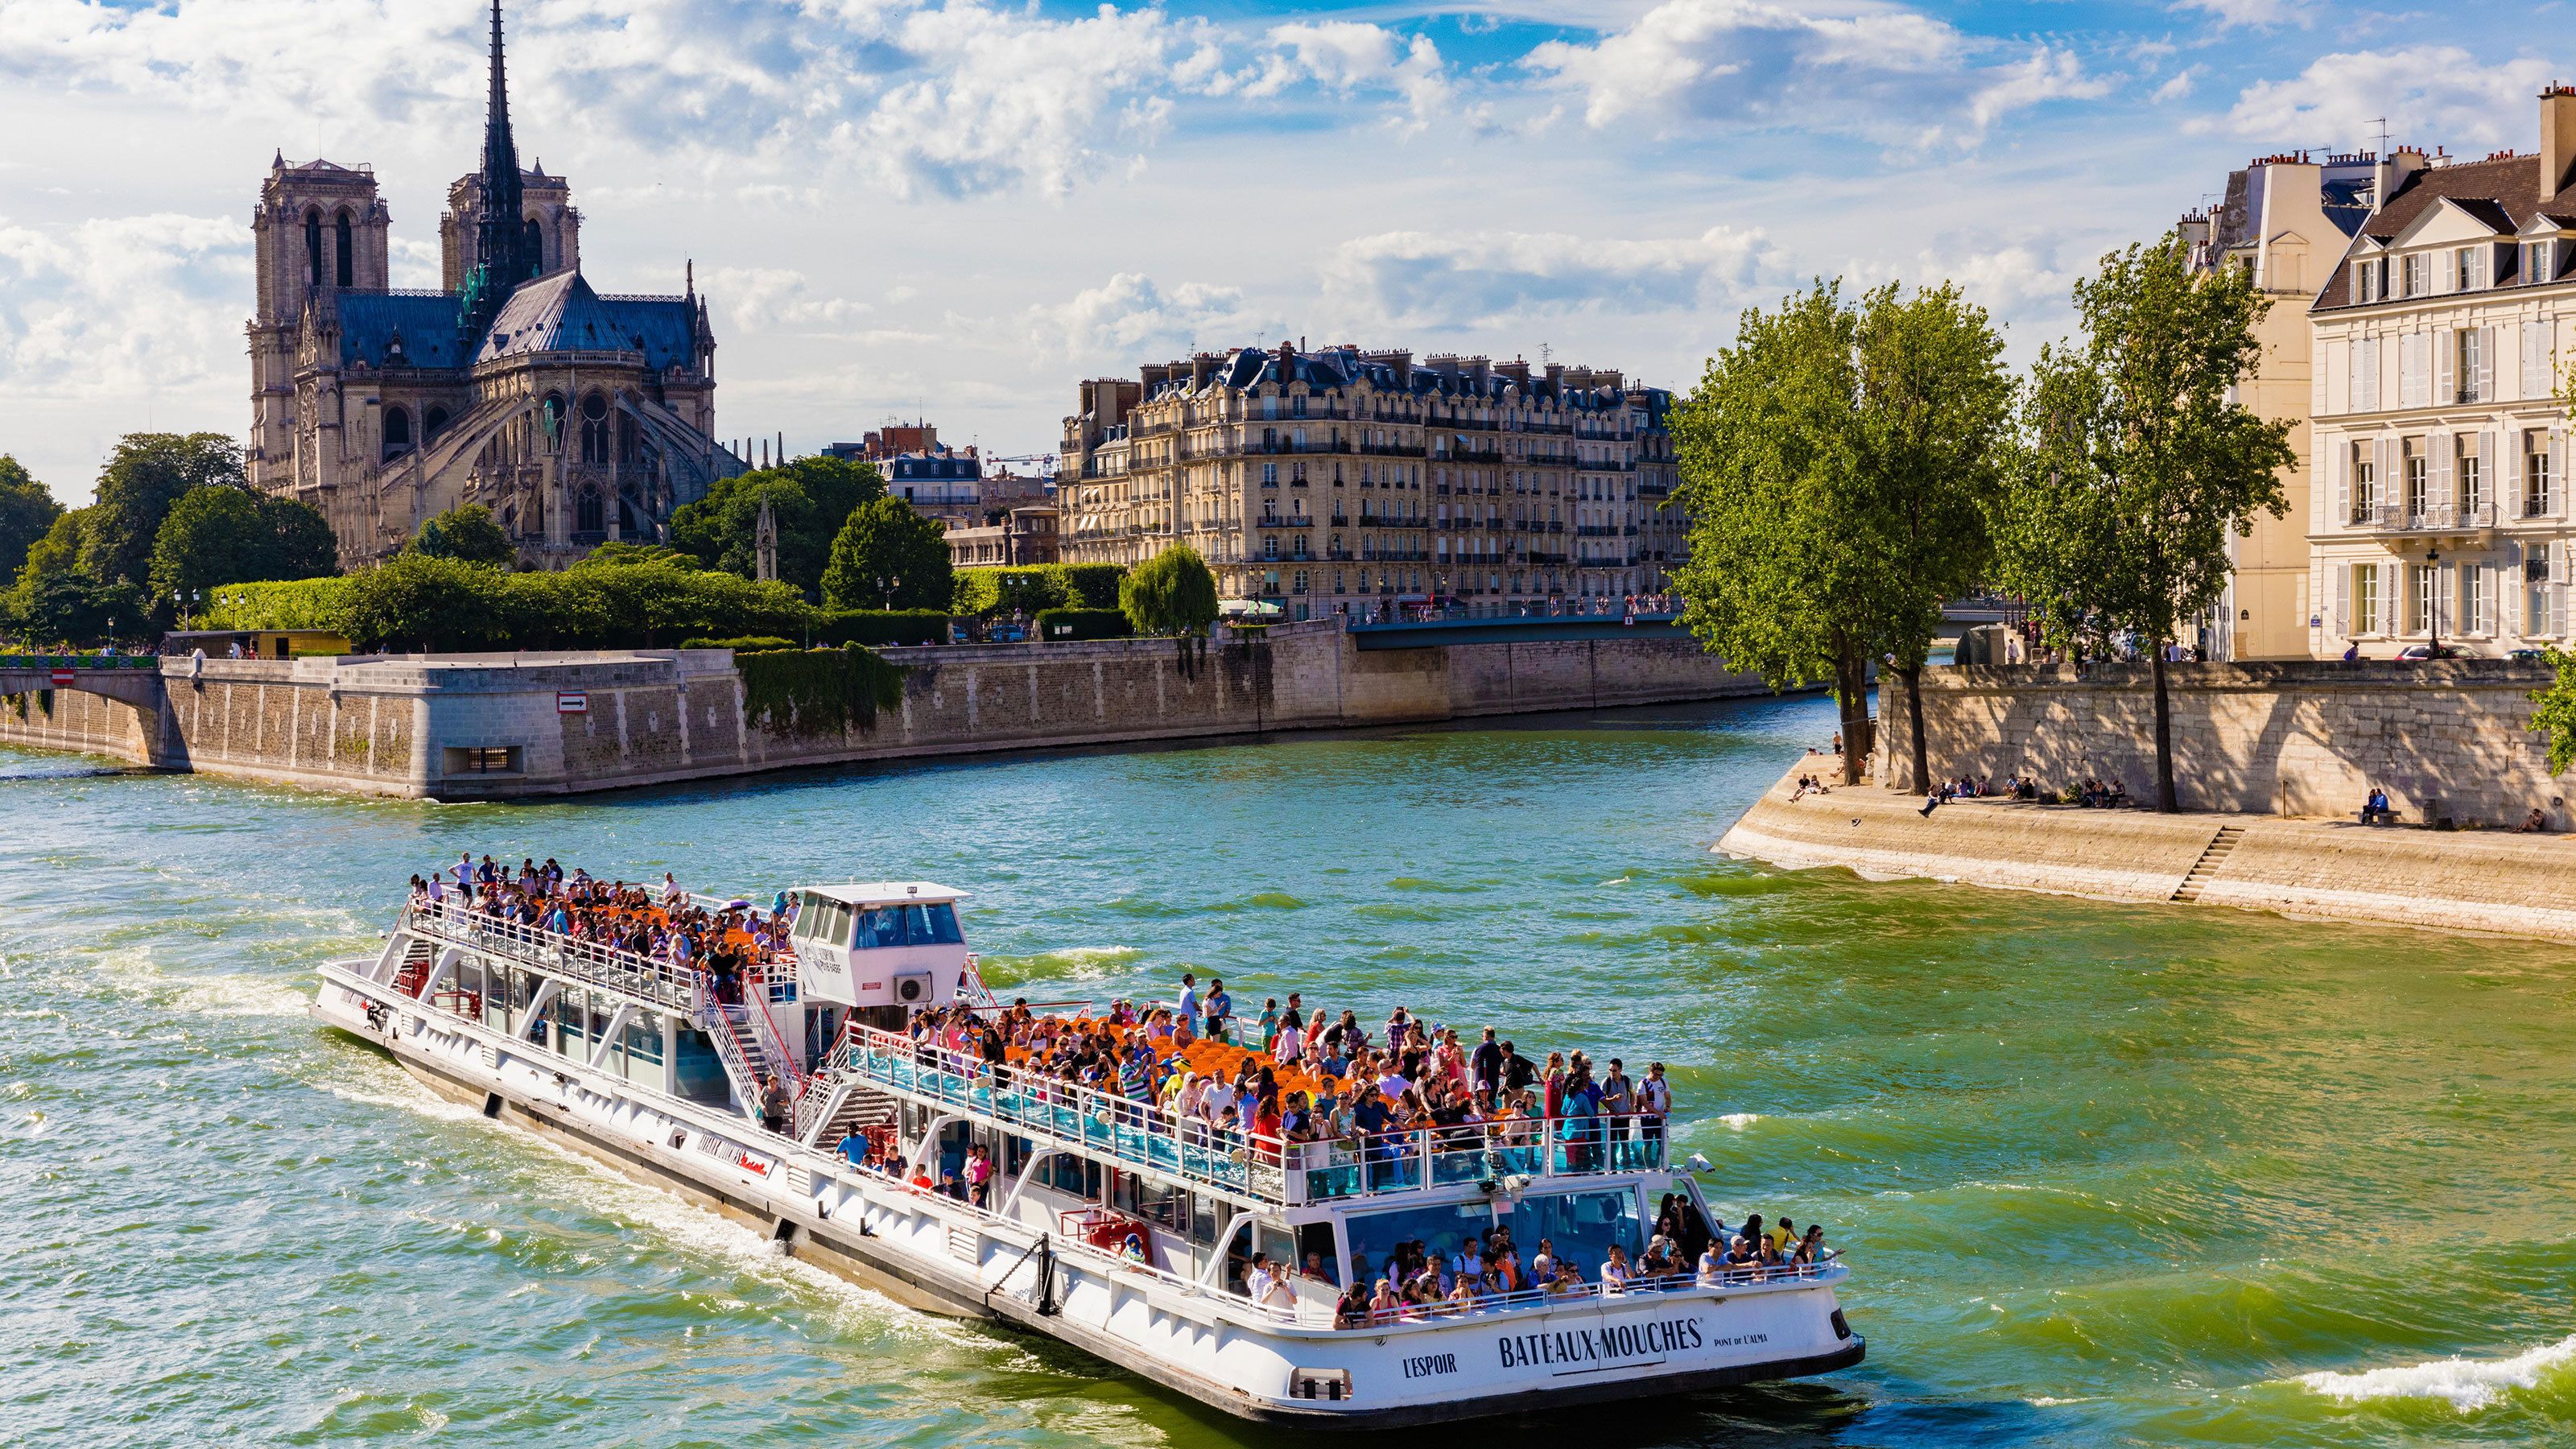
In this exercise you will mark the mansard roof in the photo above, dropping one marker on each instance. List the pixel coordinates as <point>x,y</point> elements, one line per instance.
<point>2502,194</point>
<point>560,313</point>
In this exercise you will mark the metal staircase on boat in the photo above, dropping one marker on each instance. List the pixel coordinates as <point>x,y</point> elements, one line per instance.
<point>2212,857</point>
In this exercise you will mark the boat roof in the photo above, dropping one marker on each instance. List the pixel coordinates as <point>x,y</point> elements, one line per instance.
<point>886,892</point>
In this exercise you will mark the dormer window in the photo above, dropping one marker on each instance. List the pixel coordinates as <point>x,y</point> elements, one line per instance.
<point>2417,272</point>
<point>2370,280</point>
<point>2469,266</point>
<point>2539,262</point>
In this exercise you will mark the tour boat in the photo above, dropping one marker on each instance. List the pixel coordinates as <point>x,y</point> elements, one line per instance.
<point>1110,1225</point>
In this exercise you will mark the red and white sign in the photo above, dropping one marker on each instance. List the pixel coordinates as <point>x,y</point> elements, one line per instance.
<point>62,676</point>
<point>572,701</point>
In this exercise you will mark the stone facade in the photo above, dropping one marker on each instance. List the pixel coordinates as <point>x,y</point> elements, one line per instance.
<point>1329,481</point>
<point>2450,740</point>
<point>463,727</point>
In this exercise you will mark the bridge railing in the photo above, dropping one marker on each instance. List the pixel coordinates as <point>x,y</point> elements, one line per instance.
<point>79,661</point>
<point>1646,609</point>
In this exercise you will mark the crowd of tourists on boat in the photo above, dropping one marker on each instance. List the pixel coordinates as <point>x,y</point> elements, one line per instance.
<point>727,942</point>
<point>1293,1076</point>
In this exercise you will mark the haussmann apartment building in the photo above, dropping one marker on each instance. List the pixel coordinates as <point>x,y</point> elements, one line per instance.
<point>1324,481</point>
<point>2438,428</point>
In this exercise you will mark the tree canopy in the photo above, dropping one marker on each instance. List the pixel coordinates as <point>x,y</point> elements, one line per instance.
<point>27,509</point>
<point>1837,462</point>
<point>144,478</point>
<point>466,533</point>
<point>888,556</point>
<point>810,499</point>
<point>1171,593</point>
<point>226,535</point>
<point>2138,463</point>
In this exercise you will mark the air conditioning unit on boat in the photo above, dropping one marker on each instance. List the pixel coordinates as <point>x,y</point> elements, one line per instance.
<point>914,988</point>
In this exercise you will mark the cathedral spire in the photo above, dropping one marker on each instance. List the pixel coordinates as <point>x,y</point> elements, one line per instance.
<point>501,234</point>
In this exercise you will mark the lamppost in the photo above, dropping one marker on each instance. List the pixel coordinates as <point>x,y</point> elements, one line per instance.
<point>888,585</point>
<point>2433,600</point>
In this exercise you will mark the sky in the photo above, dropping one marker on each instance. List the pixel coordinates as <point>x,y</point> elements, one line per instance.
<point>955,211</point>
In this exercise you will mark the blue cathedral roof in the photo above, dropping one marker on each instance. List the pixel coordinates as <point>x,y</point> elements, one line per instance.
<point>561,313</point>
<point>425,321</point>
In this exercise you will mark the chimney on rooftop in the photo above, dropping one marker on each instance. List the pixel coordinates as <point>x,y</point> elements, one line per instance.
<point>2557,140</point>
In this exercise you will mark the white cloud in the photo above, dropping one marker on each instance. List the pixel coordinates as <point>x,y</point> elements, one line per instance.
<point>1131,316</point>
<point>2262,14</point>
<point>121,307</point>
<point>1346,56</point>
<point>2177,85</point>
<point>948,99</point>
<point>1881,71</point>
<point>2431,95</point>
<point>762,298</point>
<point>1483,279</point>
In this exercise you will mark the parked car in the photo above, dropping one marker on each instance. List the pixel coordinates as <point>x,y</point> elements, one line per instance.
<point>2534,655</point>
<point>2418,653</point>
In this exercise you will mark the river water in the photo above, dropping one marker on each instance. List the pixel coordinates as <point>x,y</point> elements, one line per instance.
<point>2108,1175</point>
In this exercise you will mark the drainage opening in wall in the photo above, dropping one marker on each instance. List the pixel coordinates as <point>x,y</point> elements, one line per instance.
<point>483,759</point>
<point>491,1104</point>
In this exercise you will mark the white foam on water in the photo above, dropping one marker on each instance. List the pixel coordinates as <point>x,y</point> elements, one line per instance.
<point>1738,1121</point>
<point>2045,1402</point>
<point>2468,1384</point>
<point>132,969</point>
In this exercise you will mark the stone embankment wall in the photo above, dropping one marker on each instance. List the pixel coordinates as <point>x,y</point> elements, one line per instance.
<point>436,726</point>
<point>2340,870</point>
<point>2295,739</point>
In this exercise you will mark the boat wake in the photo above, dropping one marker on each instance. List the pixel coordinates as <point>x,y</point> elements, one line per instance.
<point>2468,1384</point>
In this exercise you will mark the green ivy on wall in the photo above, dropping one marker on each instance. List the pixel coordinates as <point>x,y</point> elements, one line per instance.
<point>809,692</point>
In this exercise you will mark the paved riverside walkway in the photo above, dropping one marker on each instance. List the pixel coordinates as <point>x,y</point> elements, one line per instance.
<point>2479,880</point>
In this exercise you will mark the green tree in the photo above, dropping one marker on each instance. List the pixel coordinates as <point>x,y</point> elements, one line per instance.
<point>2556,716</point>
<point>427,602</point>
<point>26,511</point>
<point>1837,462</point>
<point>617,553</point>
<point>147,475</point>
<point>72,608</point>
<point>224,535</point>
<point>888,556</point>
<point>465,533</point>
<point>1935,418</point>
<point>300,538</point>
<point>810,499</point>
<point>2137,463</point>
<point>1171,593</point>
<point>212,536</point>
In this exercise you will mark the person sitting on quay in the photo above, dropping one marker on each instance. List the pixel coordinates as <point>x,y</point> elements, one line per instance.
<point>2534,823</point>
<point>2374,808</point>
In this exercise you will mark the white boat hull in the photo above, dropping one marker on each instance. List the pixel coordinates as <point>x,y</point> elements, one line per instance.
<point>936,1254</point>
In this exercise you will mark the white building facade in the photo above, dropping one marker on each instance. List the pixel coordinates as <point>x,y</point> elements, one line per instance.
<point>2439,429</point>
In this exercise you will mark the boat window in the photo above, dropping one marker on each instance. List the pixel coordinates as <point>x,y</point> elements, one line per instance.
<point>1315,1255</point>
<point>1582,1225</point>
<point>1441,1231</point>
<point>881,927</point>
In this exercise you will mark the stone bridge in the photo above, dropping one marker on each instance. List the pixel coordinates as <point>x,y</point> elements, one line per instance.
<point>142,732</point>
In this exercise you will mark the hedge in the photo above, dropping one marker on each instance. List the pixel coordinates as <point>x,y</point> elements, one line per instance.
<point>299,604</point>
<point>739,646</point>
<point>1056,626</point>
<point>880,626</point>
<point>1028,589</point>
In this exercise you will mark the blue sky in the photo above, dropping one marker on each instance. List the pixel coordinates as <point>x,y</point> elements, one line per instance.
<point>956,211</point>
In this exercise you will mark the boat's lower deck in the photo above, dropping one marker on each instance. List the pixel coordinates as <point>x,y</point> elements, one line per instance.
<point>943,1255</point>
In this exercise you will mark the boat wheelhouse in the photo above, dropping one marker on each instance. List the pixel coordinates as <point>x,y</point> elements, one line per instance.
<point>1113,1224</point>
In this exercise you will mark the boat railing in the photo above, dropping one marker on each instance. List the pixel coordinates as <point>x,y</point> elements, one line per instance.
<point>670,985</point>
<point>1641,1287</point>
<point>1263,1168</point>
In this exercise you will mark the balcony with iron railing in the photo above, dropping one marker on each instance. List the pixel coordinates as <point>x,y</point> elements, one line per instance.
<point>2423,518</point>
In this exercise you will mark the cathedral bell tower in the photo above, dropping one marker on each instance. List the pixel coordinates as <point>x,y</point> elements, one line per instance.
<point>320,231</point>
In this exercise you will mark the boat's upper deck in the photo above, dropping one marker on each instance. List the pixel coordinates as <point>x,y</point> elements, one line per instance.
<point>1231,1162</point>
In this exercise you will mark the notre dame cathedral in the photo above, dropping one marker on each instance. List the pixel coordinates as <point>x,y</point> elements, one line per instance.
<point>574,417</point>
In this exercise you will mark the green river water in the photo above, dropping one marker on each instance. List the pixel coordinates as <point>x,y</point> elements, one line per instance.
<point>2107,1175</point>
